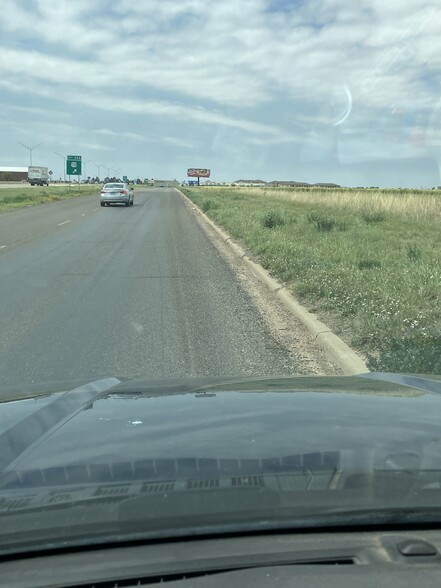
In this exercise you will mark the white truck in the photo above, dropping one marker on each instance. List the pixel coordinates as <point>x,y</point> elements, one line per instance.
<point>38,176</point>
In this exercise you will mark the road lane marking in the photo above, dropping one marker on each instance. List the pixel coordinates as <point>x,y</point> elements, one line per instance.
<point>3,246</point>
<point>64,223</point>
<point>95,209</point>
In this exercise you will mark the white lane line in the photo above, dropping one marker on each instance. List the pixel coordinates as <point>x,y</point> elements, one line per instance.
<point>64,223</point>
<point>95,209</point>
<point>3,246</point>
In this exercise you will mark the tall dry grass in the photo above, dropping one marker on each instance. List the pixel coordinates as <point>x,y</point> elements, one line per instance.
<point>416,205</point>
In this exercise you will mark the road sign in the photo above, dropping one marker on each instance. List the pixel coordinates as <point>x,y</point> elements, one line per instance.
<point>73,165</point>
<point>124,178</point>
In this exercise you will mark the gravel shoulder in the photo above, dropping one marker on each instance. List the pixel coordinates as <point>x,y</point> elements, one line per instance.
<point>286,331</point>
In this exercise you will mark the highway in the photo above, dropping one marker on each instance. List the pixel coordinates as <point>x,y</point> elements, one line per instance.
<point>90,292</point>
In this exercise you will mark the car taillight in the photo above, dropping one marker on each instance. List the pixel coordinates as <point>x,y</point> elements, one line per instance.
<point>102,193</point>
<point>124,192</point>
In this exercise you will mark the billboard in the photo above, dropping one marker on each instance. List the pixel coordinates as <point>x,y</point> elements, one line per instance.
<point>197,172</point>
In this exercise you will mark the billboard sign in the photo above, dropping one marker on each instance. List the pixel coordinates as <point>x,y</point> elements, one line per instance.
<point>197,172</point>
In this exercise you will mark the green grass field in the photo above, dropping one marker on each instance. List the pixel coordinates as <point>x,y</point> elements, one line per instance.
<point>31,195</point>
<point>367,261</point>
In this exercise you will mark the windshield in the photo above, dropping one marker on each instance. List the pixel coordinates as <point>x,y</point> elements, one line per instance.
<point>217,191</point>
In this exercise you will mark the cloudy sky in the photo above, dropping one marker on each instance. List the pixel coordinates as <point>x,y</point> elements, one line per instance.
<point>305,90</point>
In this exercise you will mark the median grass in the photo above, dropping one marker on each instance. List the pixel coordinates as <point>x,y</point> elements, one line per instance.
<point>367,261</point>
<point>16,197</point>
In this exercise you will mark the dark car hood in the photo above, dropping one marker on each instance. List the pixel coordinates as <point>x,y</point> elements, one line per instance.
<point>159,422</point>
<point>119,461</point>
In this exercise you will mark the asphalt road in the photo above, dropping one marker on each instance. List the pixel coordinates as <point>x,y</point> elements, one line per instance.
<point>89,292</point>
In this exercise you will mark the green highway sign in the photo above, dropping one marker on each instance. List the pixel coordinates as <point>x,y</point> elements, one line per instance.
<point>73,165</point>
<point>124,178</point>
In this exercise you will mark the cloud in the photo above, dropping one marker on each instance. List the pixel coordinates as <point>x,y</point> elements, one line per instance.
<point>122,134</point>
<point>178,142</point>
<point>115,102</point>
<point>94,146</point>
<point>145,139</point>
<point>185,72</point>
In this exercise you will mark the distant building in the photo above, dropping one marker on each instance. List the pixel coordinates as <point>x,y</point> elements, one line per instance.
<point>282,184</point>
<point>288,184</point>
<point>165,183</point>
<point>249,183</point>
<point>292,184</point>
<point>13,174</point>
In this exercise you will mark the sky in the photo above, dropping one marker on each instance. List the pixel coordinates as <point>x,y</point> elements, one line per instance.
<point>304,90</point>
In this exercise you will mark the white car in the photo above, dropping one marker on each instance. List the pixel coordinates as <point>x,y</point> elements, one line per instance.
<point>117,193</point>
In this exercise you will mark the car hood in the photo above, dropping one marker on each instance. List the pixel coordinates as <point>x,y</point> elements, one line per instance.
<point>110,421</point>
<point>112,460</point>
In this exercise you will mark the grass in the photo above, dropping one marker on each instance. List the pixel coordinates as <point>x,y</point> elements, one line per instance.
<point>32,195</point>
<point>272,219</point>
<point>369,260</point>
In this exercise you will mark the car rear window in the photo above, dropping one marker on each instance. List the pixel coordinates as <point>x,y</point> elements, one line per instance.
<point>114,186</point>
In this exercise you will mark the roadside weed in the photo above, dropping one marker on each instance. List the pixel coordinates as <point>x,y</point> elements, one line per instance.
<point>371,258</point>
